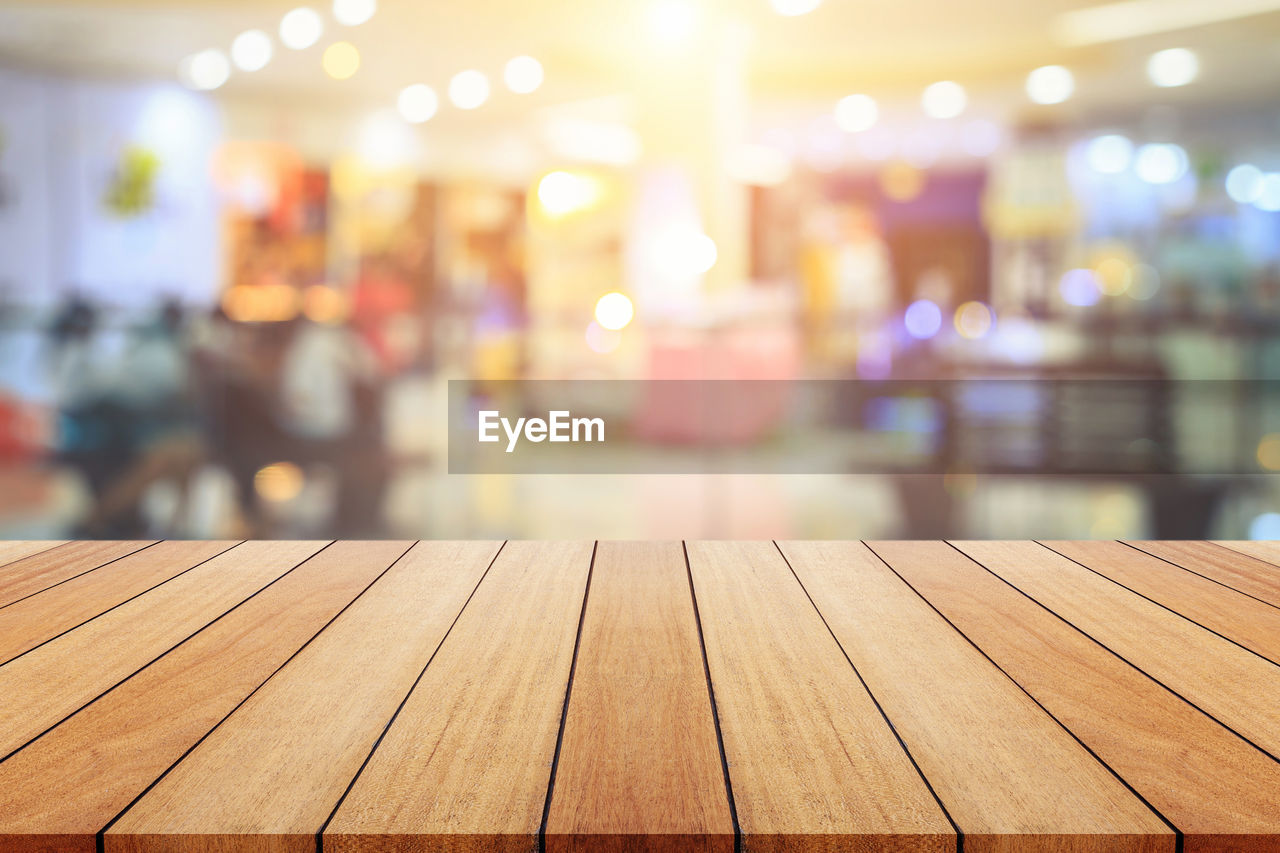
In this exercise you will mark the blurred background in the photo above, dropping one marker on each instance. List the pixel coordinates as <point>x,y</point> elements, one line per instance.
<point>243,247</point>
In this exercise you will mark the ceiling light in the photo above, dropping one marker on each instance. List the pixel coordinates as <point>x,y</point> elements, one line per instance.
<point>523,75</point>
<point>417,103</point>
<point>252,50</point>
<point>206,70</point>
<point>1051,84</point>
<point>856,113</point>
<point>1269,193</point>
<point>301,28</point>
<point>1161,163</point>
<point>1109,154</point>
<point>1176,66</point>
<point>944,99</point>
<point>353,13</point>
<point>1244,183</point>
<point>341,60</point>
<point>468,89</point>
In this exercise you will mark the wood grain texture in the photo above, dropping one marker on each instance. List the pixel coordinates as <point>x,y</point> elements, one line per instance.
<point>30,622</point>
<point>60,790</point>
<point>1251,623</point>
<point>639,762</point>
<point>813,763</point>
<point>1220,792</point>
<point>268,777</point>
<point>1010,777</point>
<point>1236,569</point>
<point>465,766</point>
<point>45,685</point>
<point>13,550</point>
<point>42,570</point>
<point>1232,684</point>
<point>1266,550</point>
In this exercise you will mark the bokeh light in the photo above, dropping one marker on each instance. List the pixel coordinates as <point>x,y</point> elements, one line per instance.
<point>1114,275</point>
<point>1109,154</point>
<point>1161,163</point>
<point>341,60</point>
<point>279,482</point>
<point>523,74</point>
<point>614,311</point>
<point>673,21</point>
<point>1174,67</point>
<point>468,89</point>
<point>1145,284</point>
<point>562,193</point>
<point>301,28</point>
<point>1050,84</point>
<point>1265,526</point>
<point>1269,452</point>
<point>923,319</point>
<point>1079,287</point>
<point>252,50</point>
<point>417,103</point>
<point>856,113</point>
<point>1269,194</point>
<point>973,320</point>
<point>206,70</point>
<point>353,13</point>
<point>944,99</point>
<point>1244,183</point>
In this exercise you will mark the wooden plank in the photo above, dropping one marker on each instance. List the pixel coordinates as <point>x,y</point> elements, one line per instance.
<point>1222,793</point>
<point>639,761</point>
<point>1240,571</point>
<point>268,777</point>
<point>1230,683</point>
<point>34,620</point>
<point>59,791</point>
<point>12,551</point>
<point>1009,775</point>
<point>40,571</point>
<point>465,765</point>
<point>43,686</point>
<point>1251,623</point>
<point>1266,550</point>
<point>813,763</point>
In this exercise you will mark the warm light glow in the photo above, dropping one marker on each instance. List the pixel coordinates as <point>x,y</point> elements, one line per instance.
<point>323,304</point>
<point>468,89</point>
<point>673,21</point>
<point>973,320</point>
<point>353,13</point>
<point>1161,163</point>
<point>944,99</point>
<point>1114,276</point>
<point>1269,452</point>
<point>206,70</point>
<point>682,252</point>
<point>301,28</point>
<point>792,8</point>
<point>902,181</point>
<point>269,303</point>
<point>278,482</point>
<point>1110,154</point>
<point>1079,287</point>
<point>856,113</point>
<point>522,75</point>
<point>614,311</point>
<point>1051,84</point>
<point>417,103</point>
<point>562,193</point>
<point>1176,66</point>
<point>1244,183</point>
<point>341,60</point>
<point>252,50</point>
<point>923,319</point>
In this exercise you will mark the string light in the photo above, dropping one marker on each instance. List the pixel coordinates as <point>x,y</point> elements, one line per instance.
<point>522,75</point>
<point>252,50</point>
<point>301,28</point>
<point>417,103</point>
<point>341,60</point>
<point>206,70</point>
<point>468,89</point>
<point>353,13</point>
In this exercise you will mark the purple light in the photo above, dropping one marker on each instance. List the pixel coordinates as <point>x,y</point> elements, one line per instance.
<point>923,319</point>
<point>1079,287</point>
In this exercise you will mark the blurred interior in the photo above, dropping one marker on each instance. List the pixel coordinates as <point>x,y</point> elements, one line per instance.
<point>243,247</point>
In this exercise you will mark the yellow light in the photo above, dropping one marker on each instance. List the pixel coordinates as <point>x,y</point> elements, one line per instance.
<point>206,70</point>
<point>341,60</point>
<point>673,21</point>
<point>614,311</point>
<point>562,193</point>
<point>353,13</point>
<point>417,103</point>
<point>267,303</point>
<point>278,482</point>
<point>522,75</point>
<point>973,320</point>
<point>301,28</point>
<point>468,89</point>
<point>323,304</point>
<point>682,252</point>
<point>1269,452</point>
<point>1050,84</point>
<point>1114,276</point>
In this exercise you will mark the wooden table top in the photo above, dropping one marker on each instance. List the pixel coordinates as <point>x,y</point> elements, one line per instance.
<point>667,696</point>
